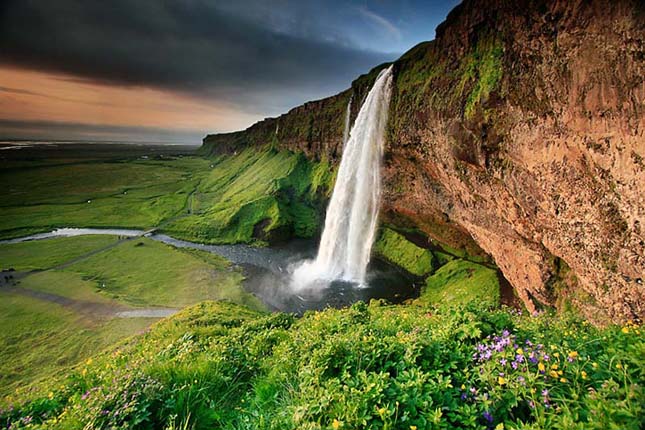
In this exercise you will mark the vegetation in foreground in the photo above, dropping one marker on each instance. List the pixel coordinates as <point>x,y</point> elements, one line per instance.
<point>219,365</point>
<point>63,304</point>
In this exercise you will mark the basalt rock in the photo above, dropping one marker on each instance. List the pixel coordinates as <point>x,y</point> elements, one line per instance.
<point>517,133</point>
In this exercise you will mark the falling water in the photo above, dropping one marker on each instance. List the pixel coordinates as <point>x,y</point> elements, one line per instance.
<point>348,114</point>
<point>350,224</point>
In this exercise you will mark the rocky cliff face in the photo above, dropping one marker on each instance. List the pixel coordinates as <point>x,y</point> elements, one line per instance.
<point>519,133</point>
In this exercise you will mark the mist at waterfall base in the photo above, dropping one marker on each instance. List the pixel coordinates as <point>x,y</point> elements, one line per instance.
<point>352,214</point>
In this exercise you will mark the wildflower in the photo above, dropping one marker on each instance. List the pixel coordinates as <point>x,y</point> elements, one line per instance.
<point>50,395</point>
<point>382,411</point>
<point>546,357</point>
<point>502,362</point>
<point>84,372</point>
<point>541,367</point>
<point>573,354</point>
<point>89,361</point>
<point>520,379</point>
<point>488,416</point>
<point>553,374</point>
<point>554,366</point>
<point>499,426</point>
<point>514,364</point>
<point>545,393</point>
<point>594,365</point>
<point>463,387</point>
<point>619,366</point>
<point>625,330</point>
<point>564,380</point>
<point>583,374</point>
<point>520,351</point>
<point>413,427</point>
<point>336,424</point>
<point>501,380</point>
<point>556,354</point>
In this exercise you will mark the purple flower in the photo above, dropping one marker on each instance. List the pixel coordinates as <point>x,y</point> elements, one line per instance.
<point>528,342</point>
<point>502,362</point>
<point>531,404</point>
<point>545,393</point>
<point>473,390</point>
<point>570,359</point>
<point>546,357</point>
<point>464,396</point>
<point>533,359</point>
<point>520,379</point>
<point>514,364</point>
<point>506,333</point>
<point>488,416</point>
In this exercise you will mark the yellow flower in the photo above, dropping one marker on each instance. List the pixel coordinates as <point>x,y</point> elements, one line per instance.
<point>573,354</point>
<point>625,330</point>
<point>541,367</point>
<point>556,354</point>
<point>619,366</point>
<point>583,374</point>
<point>533,391</point>
<point>501,381</point>
<point>552,347</point>
<point>413,427</point>
<point>563,380</point>
<point>50,395</point>
<point>381,411</point>
<point>84,372</point>
<point>594,365</point>
<point>89,361</point>
<point>520,351</point>
<point>463,387</point>
<point>553,374</point>
<point>336,424</point>
<point>499,426</point>
<point>554,366</point>
<point>560,372</point>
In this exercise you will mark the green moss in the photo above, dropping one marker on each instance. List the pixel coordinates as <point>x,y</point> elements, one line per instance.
<point>461,282</point>
<point>481,72</point>
<point>396,249</point>
<point>249,196</point>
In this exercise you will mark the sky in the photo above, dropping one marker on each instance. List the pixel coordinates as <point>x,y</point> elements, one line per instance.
<point>175,70</point>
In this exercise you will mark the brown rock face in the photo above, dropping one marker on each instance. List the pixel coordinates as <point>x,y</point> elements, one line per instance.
<point>519,132</point>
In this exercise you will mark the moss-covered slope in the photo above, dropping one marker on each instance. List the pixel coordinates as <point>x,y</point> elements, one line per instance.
<point>257,195</point>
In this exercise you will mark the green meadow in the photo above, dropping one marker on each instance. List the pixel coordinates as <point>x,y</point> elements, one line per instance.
<point>86,280</point>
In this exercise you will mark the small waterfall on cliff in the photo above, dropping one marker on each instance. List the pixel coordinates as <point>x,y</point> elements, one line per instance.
<point>348,115</point>
<point>352,213</point>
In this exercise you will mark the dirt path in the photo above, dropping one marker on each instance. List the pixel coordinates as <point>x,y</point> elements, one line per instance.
<point>92,310</point>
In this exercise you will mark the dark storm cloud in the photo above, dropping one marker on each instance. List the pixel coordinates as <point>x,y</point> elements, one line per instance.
<point>190,46</point>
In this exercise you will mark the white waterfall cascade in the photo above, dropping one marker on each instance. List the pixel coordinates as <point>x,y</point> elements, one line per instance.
<point>350,225</point>
<point>348,114</point>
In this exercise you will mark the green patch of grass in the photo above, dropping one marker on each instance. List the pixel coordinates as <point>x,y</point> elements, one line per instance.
<point>44,254</point>
<point>396,249</point>
<point>248,196</point>
<point>143,272</point>
<point>134,194</point>
<point>40,339</point>
<point>461,282</point>
<point>65,284</point>
<point>218,365</point>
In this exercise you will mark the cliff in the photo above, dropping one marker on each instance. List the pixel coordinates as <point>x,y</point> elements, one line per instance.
<point>517,133</point>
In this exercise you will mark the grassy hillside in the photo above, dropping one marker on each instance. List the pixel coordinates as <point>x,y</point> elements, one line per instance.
<point>62,315</point>
<point>255,195</point>
<point>408,367</point>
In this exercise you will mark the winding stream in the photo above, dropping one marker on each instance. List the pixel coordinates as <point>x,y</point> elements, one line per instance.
<point>268,271</point>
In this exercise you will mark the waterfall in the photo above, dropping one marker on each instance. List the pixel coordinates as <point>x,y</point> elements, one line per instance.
<point>350,225</point>
<point>348,114</point>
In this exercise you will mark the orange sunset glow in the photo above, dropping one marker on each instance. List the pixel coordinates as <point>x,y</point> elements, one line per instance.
<point>28,95</point>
